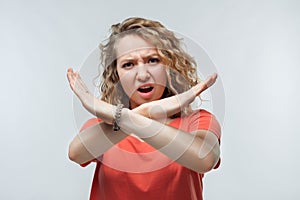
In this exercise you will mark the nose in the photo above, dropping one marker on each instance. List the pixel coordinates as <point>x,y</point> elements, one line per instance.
<point>142,73</point>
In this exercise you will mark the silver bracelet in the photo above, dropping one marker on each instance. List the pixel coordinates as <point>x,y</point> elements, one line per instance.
<point>117,117</point>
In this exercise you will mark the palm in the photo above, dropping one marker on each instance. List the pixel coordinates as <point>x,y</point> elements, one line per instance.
<point>81,91</point>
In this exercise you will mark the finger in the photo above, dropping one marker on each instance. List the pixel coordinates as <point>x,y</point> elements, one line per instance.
<point>69,76</point>
<point>211,80</point>
<point>202,86</point>
<point>80,88</point>
<point>70,72</point>
<point>82,84</point>
<point>76,78</point>
<point>70,80</point>
<point>70,69</point>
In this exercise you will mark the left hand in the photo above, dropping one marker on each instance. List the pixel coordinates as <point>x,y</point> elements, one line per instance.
<point>167,107</point>
<point>203,85</point>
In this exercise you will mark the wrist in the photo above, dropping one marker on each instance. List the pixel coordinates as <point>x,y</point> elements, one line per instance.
<point>104,111</point>
<point>117,116</point>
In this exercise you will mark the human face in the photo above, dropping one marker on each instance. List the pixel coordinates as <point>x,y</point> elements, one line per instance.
<point>141,73</point>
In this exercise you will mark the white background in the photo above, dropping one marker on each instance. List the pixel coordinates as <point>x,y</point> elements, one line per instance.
<point>254,44</point>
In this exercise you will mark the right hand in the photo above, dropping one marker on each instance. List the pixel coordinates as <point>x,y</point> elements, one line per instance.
<point>81,90</point>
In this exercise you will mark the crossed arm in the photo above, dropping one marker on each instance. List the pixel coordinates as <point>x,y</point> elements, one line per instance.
<point>198,151</point>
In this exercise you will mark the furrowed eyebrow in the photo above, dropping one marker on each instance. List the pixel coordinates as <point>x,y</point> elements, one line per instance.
<point>131,58</point>
<point>125,60</point>
<point>151,54</point>
<point>147,49</point>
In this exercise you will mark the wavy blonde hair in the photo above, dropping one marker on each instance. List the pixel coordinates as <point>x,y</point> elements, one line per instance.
<point>181,70</point>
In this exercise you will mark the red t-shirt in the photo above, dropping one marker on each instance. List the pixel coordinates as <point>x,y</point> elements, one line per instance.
<point>132,169</point>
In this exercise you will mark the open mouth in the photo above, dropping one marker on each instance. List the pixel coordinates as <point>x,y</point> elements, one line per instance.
<point>145,89</point>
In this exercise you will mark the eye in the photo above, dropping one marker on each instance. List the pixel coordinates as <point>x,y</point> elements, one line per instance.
<point>127,65</point>
<point>153,60</point>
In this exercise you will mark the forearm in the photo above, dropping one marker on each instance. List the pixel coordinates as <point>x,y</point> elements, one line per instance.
<point>190,150</point>
<point>166,107</point>
<point>178,145</point>
<point>93,142</point>
<point>187,149</point>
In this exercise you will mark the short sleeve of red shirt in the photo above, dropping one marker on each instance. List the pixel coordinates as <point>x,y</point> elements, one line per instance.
<point>89,123</point>
<point>204,120</point>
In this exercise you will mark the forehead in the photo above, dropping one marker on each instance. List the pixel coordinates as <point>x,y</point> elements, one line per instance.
<point>132,44</point>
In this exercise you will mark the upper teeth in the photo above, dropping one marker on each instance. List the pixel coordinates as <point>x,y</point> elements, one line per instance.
<point>145,87</point>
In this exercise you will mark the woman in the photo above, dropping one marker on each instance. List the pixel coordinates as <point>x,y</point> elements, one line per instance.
<point>146,140</point>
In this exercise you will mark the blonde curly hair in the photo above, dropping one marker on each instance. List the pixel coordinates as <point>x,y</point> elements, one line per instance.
<point>181,70</point>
